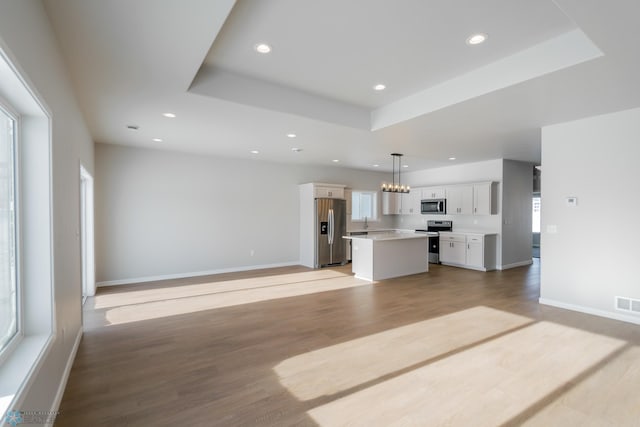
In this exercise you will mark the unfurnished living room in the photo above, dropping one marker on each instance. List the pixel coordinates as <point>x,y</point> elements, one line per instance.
<point>298,213</point>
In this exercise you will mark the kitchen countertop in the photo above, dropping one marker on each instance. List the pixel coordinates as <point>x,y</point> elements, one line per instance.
<point>484,233</point>
<point>391,235</point>
<point>371,230</point>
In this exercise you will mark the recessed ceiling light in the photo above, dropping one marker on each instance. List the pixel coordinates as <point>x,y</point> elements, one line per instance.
<point>452,158</point>
<point>132,127</point>
<point>476,38</point>
<point>262,48</point>
<point>375,166</point>
<point>169,115</point>
<point>379,87</point>
<point>157,140</point>
<point>296,149</point>
<point>335,160</point>
<point>405,166</point>
<point>291,135</point>
<point>254,152</point>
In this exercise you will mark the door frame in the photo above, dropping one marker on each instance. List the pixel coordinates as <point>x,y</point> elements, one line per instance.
<point>87,239</point>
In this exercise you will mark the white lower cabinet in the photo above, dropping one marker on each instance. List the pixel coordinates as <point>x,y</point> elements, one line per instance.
<point>475,251</point>
<point>468,250</point>
<point>452,248</point>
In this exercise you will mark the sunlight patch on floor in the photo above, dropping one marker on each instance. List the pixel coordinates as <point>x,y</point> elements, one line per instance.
<point>609,397</point>
<point>486,385</point>
<point>250,294</point>
<point>129,296</point>
<point>340,367</point>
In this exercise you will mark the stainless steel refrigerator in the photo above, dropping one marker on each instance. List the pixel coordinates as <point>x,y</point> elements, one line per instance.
<point>331,225</point>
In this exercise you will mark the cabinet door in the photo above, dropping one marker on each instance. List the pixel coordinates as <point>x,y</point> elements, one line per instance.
<point>475,251</point>
<point>452,248</point>
<point>433,193</point>
<point>329,192</point>
<point>411,203</point>
<point>460,200</point>
<point>452,252</point>
<point>482,199</point>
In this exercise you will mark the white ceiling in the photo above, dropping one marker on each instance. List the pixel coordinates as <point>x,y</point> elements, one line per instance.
<point>544,62</point>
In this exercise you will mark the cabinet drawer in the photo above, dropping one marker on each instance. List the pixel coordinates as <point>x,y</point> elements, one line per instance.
<point>474,238</point>
<point>452,237</point>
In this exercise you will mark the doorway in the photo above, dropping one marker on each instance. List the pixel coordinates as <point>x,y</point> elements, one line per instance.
<point>88,269</point>
<point>535,213</point>
<point>535,225</point>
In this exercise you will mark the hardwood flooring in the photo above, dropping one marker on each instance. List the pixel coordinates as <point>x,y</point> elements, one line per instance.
<point>300,347</point>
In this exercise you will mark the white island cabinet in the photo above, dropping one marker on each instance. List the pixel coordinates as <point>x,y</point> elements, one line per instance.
<point>385,255</point>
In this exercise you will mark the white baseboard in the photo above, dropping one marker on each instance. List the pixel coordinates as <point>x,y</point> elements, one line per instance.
<point>515,264</point>
<point>65,375</point>
<point>194,274</point>
<point>588,310</point>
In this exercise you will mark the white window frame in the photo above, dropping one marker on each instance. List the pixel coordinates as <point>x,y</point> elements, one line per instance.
<point>34,240</point>
<point>15,340</point>
<point>375,208</point>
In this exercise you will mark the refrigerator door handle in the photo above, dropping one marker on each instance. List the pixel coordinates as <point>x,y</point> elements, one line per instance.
<point>330,226</point>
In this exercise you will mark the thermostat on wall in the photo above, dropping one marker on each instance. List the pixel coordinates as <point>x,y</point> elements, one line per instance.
<point>571,201</point>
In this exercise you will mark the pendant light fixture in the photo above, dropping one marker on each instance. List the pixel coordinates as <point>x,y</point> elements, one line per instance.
<point>395,187</point>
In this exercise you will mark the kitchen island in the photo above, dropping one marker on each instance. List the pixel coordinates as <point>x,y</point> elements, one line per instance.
<point>393,254</point>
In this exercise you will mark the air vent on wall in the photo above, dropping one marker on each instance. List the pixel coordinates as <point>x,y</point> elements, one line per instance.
<point>628,304</point>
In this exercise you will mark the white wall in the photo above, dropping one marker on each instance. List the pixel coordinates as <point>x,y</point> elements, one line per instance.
<point>517,194</point>
<point>161,213</point>
<point>594,254</point>
<point>26,32</point>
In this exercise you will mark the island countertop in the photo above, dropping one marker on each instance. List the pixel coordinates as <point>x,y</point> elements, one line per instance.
<point>397,235</point>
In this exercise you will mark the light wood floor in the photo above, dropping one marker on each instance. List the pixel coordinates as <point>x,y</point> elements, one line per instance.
<point>293,346</point>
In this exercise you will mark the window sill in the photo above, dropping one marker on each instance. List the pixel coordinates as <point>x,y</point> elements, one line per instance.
<point>18,369</point>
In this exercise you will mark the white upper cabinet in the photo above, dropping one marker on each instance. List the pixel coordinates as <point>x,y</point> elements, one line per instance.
<point>323,191</point>
<point>391,203</point>
<point>433,193</point>
<point>482,198</point>
<point>460,200</point>
<point>411,202</point>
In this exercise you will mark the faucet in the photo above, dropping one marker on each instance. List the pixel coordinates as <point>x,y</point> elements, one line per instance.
<point>365,223</point>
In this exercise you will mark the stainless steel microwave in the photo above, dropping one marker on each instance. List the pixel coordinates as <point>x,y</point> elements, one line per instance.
<point>433,206</point>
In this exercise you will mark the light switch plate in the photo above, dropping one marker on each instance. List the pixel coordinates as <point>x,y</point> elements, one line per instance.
<point>552,229</point>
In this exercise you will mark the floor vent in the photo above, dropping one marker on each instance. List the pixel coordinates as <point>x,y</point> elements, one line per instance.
<point>628,304</point>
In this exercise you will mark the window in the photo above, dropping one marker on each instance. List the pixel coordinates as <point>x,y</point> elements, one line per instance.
<point>27,317</point>
<point>8,269</point>
<point>535,226</point>
<point>364,204</point>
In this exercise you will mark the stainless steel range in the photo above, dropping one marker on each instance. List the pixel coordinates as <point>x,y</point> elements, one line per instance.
<point>434,239</point>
